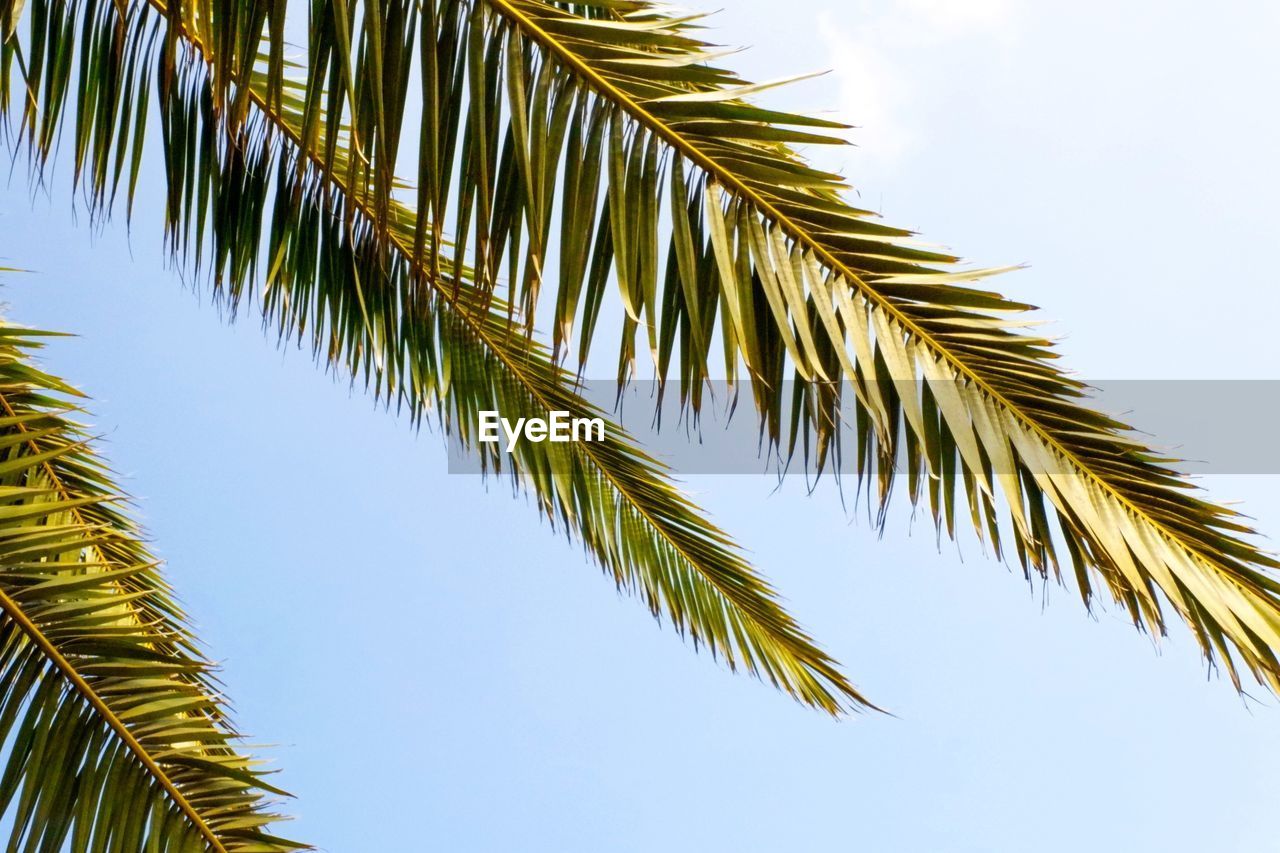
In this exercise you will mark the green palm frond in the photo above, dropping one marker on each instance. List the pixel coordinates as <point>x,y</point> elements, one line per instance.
<point>811,288</point>
<point>671,188</point>
<point>264,187</point>
<point>114,732</point>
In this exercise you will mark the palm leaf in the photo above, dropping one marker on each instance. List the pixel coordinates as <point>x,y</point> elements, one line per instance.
<point>266,186</point>
<point>675,191</point>
<point>115,736</point>
<point>810,287</point>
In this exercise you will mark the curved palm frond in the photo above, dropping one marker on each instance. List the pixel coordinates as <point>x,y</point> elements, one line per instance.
<point>672,187</point>
<point>113,728</point>
<point>807,284</point>
<point>263,178</point>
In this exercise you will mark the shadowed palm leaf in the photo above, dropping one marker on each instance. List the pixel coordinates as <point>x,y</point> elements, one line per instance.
<point>114,731</point>
<point>341,274</point>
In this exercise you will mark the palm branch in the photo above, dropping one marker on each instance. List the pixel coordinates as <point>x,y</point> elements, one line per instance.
<point>688,200</point>
<point>115,731</point>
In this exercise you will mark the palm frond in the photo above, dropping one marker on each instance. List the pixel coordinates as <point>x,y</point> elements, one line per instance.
<point>267,186</point>
<point>603,127</point>
<point>809,287</point>
<point>113,728</point>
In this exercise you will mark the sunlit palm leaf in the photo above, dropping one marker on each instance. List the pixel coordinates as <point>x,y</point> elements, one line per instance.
<point>674,191</point>
<point>113,731</point>
<point>808,286</point>
<point>264,187</point>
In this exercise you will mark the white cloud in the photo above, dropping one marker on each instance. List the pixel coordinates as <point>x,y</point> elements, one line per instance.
<point>881,52</point>
<point>869,89</point>
<point>950,18</point>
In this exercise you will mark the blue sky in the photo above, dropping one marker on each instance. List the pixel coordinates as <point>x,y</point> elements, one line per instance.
<point>436,670</point>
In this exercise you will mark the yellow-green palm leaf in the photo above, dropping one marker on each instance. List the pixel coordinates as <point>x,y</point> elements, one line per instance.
<point>116,734</point>
<point>604,131</point>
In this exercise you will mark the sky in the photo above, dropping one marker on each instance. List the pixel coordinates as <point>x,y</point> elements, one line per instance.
<point>431,668</point>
